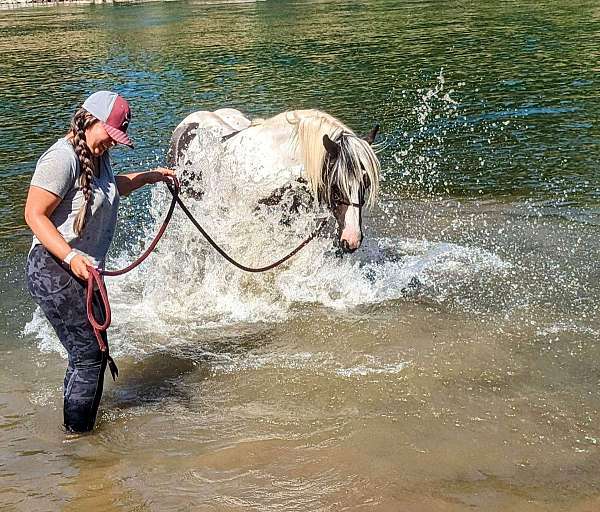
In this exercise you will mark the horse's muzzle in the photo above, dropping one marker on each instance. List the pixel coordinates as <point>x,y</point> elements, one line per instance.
<point>346,246</point>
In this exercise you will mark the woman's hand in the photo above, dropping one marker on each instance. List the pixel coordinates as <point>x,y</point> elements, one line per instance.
<point>161,174</point>
<point>127,183</point>
<point>79,265</point>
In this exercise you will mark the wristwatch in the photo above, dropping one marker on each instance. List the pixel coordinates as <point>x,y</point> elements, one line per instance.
<point>69,257</point>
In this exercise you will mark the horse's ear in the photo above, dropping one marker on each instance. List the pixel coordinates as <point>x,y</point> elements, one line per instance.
<point>370,138</point>
<point>332,148</point>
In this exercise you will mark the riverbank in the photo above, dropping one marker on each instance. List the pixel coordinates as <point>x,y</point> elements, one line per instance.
<point>32,3</point>
<point>15,4</point>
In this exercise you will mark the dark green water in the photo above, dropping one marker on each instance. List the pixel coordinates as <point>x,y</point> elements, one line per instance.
<point>534,65</point>
<point>478,391</point>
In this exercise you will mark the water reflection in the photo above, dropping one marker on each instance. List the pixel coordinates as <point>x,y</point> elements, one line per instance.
<point>264,59</point>
<point>477,390</point>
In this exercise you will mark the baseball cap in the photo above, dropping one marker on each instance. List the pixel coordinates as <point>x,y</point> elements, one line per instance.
<point>113,112</point>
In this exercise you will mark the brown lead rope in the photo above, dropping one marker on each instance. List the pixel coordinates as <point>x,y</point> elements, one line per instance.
<point>95,278</point>
<point>230,259</point>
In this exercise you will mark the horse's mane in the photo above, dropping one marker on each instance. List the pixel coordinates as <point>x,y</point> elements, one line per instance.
<point>355,157</point>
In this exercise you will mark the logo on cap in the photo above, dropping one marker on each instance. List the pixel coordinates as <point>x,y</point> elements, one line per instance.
<point>114,113</point>
<point>125,123</point>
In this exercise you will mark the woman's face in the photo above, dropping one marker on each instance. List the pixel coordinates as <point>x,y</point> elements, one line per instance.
<point>98,140</point>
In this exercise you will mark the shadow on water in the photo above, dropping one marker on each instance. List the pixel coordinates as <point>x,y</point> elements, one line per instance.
<point>162,376</point>
<point>152,380</point>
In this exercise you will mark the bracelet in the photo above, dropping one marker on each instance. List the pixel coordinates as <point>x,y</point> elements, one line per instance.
<point>69,257</point>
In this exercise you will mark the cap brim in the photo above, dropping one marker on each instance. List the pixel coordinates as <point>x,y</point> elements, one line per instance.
<point>118,136</point>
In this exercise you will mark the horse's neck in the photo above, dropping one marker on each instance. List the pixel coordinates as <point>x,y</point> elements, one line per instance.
<point>270,142</point>
<point>268,150</point>
<point>278,136</point>
<point>271,150</point>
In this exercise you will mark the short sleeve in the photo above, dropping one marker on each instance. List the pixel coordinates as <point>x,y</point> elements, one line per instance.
<point>56,171</point>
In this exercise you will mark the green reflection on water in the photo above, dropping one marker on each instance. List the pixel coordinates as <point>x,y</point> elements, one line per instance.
<point>524,79</point>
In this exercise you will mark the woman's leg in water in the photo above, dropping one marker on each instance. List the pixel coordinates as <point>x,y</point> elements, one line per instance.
<point>62,299</point>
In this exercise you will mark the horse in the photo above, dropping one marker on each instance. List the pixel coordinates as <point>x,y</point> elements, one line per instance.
<point>292,151</point>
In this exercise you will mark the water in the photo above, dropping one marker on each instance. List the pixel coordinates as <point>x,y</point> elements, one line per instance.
<point>449,364</point>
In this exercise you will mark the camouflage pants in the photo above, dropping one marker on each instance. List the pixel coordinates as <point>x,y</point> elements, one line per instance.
<point>62,299</point>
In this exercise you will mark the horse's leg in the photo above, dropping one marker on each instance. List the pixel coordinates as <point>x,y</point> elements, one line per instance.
<point>276,196</point>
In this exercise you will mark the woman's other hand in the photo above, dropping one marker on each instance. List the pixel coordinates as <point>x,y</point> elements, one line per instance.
<point>127,183</point>
<point>161,174</point>
<point>79,266</point>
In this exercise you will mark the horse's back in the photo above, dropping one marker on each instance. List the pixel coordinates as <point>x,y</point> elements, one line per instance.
<point>227,120</point>
<point>267,150</point>
<point>219,123</point>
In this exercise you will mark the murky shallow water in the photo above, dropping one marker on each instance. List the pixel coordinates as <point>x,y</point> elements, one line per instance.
<point>450,364</point>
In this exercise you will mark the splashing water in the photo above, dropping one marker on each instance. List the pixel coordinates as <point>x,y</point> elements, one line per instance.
<point>185,286</point>
<point>422,138</point>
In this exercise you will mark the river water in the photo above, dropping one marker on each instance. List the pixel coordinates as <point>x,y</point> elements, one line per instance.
<point>450,364</point>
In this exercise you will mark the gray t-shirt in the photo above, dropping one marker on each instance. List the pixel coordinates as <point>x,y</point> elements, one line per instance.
<point>57,171</point>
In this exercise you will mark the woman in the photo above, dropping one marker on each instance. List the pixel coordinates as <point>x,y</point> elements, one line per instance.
<point>72,210</point>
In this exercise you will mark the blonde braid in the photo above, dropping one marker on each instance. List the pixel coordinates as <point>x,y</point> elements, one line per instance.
<point>80,122</point>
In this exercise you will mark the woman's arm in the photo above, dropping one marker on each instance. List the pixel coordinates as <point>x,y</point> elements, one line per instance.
<point>127,183</point>
<point>38,209</point>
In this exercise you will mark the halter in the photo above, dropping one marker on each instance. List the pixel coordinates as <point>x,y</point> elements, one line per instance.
<point>346,203</point>
<point>361,199</point>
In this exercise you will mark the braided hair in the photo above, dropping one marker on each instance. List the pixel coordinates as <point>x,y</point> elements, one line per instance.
<point>80,122</point>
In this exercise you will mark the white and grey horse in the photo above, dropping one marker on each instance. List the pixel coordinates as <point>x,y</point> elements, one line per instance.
<point>339,168</point>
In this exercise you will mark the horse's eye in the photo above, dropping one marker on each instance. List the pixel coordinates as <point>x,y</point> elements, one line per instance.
<point>333,192</point>
<point>366,181</point>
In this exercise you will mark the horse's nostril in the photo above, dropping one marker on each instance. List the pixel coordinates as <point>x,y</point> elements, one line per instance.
<point>345,246</point>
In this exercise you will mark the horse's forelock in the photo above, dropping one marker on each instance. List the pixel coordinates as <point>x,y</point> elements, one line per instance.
<point>310,127</point>
<point>355,158</point>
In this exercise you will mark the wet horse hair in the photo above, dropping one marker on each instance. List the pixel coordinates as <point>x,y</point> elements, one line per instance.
<point>337,163</point>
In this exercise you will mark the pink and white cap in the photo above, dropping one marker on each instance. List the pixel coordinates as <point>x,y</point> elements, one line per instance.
<point>113,112</point>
